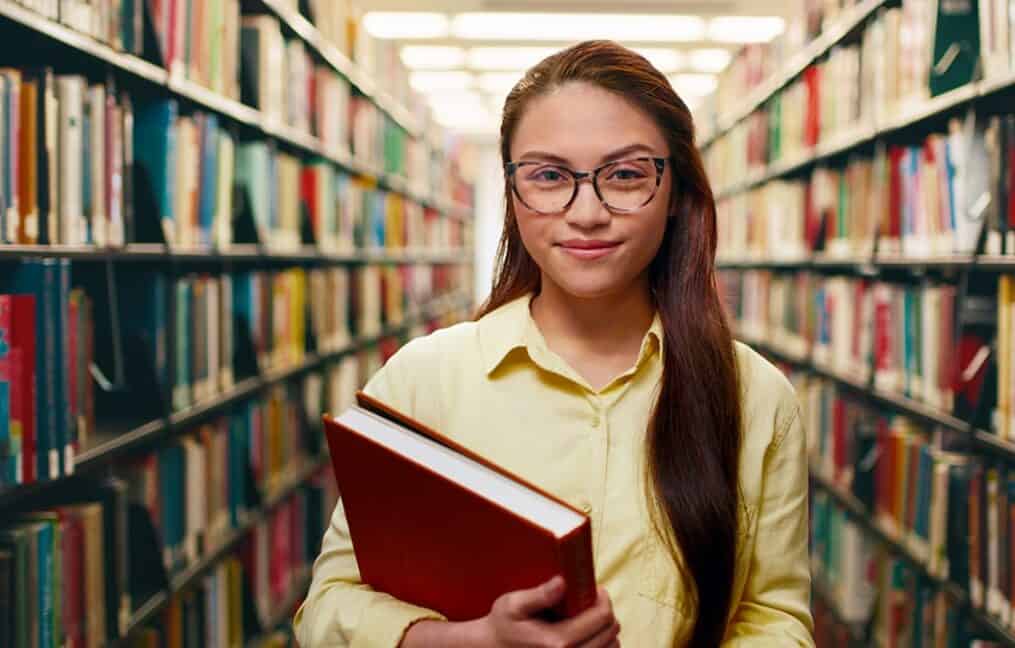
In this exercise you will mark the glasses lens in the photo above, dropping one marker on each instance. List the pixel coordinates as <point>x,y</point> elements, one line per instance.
<point>627,184</point>
<point>544,187</point>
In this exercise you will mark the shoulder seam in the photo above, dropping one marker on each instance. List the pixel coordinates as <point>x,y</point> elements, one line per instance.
<point>783,430</point>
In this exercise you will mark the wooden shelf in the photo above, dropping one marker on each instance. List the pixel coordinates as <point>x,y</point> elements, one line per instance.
<point>152,252</point>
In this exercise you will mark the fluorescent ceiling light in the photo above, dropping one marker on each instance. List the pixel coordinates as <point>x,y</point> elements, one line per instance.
<point>431,57</point>
<point>428,82</point>
<point>665,60</point>
<point>498,82</point>
<point>693,85</point>
<point>405,24</point>
<point>507,58</point>
<point>745,29</point>
<point>709,60</point>
<point>568,27</point>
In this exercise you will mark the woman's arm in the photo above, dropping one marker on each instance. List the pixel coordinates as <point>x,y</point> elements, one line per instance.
<point>775,608</point>
<point>340,610</point>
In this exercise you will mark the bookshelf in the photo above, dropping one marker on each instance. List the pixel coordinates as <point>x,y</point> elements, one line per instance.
<point>161,385</point>
<point>838,240</point>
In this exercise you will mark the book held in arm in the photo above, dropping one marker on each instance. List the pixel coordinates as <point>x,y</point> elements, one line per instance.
<point>436,525</point>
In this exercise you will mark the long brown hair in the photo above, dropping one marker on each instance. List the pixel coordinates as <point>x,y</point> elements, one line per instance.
<point>694,433</point>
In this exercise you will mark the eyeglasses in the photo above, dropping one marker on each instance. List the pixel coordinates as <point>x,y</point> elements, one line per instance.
<point>622,186</point>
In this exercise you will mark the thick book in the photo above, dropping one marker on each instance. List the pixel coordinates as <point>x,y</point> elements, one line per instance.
<point>445,528</point>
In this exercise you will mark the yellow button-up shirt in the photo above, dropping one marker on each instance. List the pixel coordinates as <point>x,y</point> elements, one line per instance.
<point>496,387</point>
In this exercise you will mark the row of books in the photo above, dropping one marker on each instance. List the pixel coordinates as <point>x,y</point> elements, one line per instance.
<point>54,576</point>
<point>873,588</point>
<point>185,340</point>
<point>167,509</point>
<point>67,175</point>
<point>911,338</point>
<point>117,23</point>
<point>952,511</point>
<point>192,162</point>
<point>893,65</point>
<point>47,401</point>
<point>932,199</point>
<point>65,159</point>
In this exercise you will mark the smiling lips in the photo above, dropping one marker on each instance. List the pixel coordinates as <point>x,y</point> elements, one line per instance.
<point>588,249</point>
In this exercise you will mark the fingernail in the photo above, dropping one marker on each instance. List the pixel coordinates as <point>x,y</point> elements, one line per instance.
<point>556,583</point>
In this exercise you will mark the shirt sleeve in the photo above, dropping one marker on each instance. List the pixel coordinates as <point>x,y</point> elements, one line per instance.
<point>340,610</point>
<point>775,608</point>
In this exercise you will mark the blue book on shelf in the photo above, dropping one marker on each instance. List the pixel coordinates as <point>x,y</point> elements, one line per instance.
<point>182,382</point>
<point>44,557</point>
<point>155,156</point>
<point>66,425</point>
<point>143,311</point>
<point>209,176</point>
<point>239,426</point>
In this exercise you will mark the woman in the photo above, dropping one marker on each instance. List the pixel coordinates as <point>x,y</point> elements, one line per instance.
<point>603,369</point>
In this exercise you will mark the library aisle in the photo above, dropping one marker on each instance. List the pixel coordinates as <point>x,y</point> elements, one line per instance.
<point>218,219</point>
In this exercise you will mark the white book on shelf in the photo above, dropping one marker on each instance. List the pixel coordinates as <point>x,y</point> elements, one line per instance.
<point>97,171</point>
<point>70,94</point>
<point>223,219</point>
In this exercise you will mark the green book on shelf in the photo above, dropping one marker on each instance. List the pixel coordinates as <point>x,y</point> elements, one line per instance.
<point>956,49</point>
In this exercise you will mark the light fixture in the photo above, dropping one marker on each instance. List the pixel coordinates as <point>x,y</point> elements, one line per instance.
<point>431,81</point>
<point>507,58</point>
<point>406,24</point>
<point>432,57</point>
<point>709,60</point>
<point>464,117</point>
<point>745,29</point>
<point>693,85</point>
<point>576,27</point>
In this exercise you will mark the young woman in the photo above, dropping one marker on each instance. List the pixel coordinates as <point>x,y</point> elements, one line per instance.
<point>603,368</point>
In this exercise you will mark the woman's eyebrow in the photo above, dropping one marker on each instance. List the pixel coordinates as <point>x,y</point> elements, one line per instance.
<point>627,150</point>
<point>609,157</point>
<point>543,155</point>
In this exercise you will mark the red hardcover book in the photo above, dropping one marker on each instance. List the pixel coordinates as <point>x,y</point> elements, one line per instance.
<point>23,338</point>
<point>445,528</point>
<point>72,566</point>
<point>308,191</point>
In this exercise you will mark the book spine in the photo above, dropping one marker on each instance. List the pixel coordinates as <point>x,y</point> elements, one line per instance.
<point>578,572</point>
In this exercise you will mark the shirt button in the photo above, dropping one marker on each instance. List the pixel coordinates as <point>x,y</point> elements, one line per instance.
<point>595,421</point>
<point>585,506</point>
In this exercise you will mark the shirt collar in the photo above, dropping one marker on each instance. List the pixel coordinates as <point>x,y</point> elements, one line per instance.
<point>511,327</point>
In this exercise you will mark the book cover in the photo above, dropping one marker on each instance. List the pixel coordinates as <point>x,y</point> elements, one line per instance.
<point>414,492</point>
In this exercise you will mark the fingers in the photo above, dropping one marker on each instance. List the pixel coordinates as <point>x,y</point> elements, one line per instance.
<point>526,603</point>
<point>606,638</point>
<point>592,622</point>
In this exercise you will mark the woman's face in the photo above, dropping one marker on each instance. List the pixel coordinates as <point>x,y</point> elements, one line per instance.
<point>588,251</point>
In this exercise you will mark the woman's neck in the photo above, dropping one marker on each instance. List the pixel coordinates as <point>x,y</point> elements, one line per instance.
<point>600,335</point>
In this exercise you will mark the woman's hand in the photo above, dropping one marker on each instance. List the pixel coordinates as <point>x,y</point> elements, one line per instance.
<point>513,623</point>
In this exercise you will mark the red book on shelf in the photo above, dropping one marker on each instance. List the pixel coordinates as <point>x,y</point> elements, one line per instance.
<point>20,334</point>
<point>445,528</point>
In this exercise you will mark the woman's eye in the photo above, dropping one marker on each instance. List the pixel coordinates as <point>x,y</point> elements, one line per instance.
<point>626,174</point>
<point>549,175</point>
